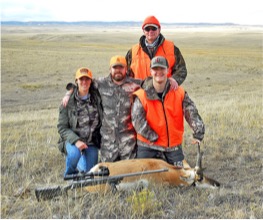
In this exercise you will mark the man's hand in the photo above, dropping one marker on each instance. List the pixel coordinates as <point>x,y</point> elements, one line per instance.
<point>196,141</point>
<point>65,100</point>
<point>81,145</point>
<point>178,164</point>
<point>66,97</point>
<point>173,83</point>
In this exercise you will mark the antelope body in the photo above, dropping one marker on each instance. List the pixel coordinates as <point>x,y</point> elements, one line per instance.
<point>186,176</point>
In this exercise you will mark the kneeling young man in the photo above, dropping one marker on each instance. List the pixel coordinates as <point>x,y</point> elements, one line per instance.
<point>158,116</point>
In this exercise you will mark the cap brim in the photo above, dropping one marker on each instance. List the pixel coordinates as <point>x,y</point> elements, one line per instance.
<point>83,76</point>
<point>118,64</point>
<point>162,66</point>
<point>151,25</point>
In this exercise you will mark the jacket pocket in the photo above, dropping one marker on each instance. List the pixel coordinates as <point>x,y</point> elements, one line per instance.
<point>61,146</point>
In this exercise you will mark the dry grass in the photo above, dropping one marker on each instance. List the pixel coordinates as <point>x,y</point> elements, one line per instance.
<point>224,79</point>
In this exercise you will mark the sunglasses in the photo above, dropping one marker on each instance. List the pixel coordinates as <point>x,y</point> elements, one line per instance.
<point>150,28</point>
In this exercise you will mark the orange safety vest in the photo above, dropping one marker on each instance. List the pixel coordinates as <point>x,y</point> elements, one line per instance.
<point>166,118</point>
<point>140,63</point>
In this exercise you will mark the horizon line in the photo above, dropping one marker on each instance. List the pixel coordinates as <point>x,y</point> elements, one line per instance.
<point>13,22</point>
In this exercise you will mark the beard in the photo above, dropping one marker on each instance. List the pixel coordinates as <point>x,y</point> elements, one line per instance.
<point>118,76</point>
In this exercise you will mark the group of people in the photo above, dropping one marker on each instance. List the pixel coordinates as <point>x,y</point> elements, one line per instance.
<point>137,111</point>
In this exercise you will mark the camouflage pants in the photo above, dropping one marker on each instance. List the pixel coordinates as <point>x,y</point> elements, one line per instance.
<point>122,149</point>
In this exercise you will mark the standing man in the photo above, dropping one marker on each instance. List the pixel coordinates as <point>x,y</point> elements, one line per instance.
<point>118,134</point>
<point>152,44</point>
<point>158,116</point>
<point>118,137</point>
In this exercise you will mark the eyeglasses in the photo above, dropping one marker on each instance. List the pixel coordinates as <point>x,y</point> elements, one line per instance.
<point>150,28</point>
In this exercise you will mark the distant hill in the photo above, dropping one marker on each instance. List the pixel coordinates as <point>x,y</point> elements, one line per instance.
<point>103,23</point>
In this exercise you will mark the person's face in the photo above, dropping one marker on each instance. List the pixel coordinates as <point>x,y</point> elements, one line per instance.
<point>159,74</point>
<point>84,84</point>
<point>151,33</point>
<point>118,73</point>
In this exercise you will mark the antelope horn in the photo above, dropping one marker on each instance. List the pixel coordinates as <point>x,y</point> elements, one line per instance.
<point>199,157</point>
<point>199,160</point>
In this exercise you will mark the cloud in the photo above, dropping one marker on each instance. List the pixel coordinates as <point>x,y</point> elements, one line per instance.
<point>24,11</point>
<point>186,11</point>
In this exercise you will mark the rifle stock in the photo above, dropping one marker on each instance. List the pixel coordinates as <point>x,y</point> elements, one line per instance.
<point>48,193</point>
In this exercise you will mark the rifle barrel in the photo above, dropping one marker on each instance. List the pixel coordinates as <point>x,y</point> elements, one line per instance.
<point>112,179</point>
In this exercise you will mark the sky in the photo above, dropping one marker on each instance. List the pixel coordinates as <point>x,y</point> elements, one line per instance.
<point>247,12</point>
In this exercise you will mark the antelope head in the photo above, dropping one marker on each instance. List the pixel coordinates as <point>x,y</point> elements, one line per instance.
<point>202,181</point>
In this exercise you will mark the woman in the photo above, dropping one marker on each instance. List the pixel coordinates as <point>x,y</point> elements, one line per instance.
<point>79,123</point>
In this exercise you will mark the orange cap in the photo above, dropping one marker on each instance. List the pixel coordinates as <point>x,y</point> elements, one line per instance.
<point>83,71</point>
<point>118,61</point>
<point>151,20</point>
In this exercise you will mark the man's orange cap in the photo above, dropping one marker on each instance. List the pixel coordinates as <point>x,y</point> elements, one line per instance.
<point>151,20</point>
<point>118,61</point>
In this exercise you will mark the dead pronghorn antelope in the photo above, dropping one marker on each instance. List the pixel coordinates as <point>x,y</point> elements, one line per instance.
<point>186,176</point>
<point>132,174</point>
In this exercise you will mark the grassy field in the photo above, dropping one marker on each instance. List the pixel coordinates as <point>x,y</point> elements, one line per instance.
<point>224,80</point>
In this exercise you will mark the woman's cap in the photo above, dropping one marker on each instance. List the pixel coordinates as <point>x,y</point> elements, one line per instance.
<point>83,71</point>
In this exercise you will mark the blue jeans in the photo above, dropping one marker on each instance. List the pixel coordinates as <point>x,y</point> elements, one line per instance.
<point>77,161</point>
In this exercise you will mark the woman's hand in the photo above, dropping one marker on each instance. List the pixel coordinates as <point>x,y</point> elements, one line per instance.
<point>81,145</point>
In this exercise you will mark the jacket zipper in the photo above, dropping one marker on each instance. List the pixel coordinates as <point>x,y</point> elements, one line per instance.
<point>167,130</point>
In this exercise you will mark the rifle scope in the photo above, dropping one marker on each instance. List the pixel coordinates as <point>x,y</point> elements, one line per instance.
<point>103,171</point>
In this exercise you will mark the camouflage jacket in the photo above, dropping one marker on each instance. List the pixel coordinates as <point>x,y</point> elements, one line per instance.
<point>139,116</point>
<point>179,71</point>
<point>80,120</point>
<point>117,131</point>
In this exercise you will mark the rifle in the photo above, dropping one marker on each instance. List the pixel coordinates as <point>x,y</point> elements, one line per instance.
<point>87,179</point>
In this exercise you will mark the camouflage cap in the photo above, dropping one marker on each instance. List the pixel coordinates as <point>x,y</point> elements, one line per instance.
<point>159,61</point>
